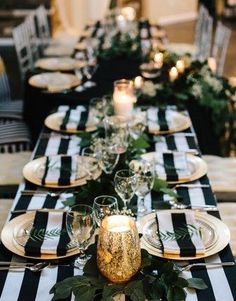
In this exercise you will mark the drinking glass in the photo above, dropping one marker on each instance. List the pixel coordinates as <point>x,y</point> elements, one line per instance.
<point>98,107</point>
<point>125,181</point>
<point>116,130</point>
<point>103,205</point>
<point>107,155</point>
<point>145,173</point>
<point>88,71</point>
<point>89,161</point>
<point>137,125</point>
<point>80,225</point>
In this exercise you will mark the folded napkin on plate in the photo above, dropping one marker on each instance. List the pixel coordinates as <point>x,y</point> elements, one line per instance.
<point>60,170</point>
<point>160,119</point>
<point>48,234</point>
<point>179,234</point>
<point>172,166</point>
<point>75,119</point>
<point>60,145</point>
<point>176,142</point>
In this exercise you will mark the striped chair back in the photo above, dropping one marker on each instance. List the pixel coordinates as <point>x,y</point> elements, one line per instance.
<point>14,137</point>
<point>43,25</point>
<point>32,36</point>
<point>5,95</point>
<point>220,46</point>
<point>204,36</point>
<point>23,51</point>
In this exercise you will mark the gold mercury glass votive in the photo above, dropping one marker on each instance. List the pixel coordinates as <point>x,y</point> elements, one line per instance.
<point>118,248</point>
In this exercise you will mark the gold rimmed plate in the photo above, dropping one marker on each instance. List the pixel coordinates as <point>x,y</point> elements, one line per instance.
<point>55,120</point>
<point>33,171</point>
<point>179,122</point>
<point>57,64</point>
<point>215,235</point>
<point>17,225</point>
<point>54,81</point>
<point>196,165</point>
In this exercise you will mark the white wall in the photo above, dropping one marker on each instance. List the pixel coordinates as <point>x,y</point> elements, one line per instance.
<point>170,11</point>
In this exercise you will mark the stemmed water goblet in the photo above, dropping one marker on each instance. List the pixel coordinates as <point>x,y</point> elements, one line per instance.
<point>80,225</point>
<point>104,205</point>
<point>106,155</point>
<point>125,182</point>
<point>145,173</point>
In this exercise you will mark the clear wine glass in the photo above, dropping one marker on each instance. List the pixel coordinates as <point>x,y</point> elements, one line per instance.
<point>145,173</point>
<point>106,155</point>
<point>80,225</point>
<point>89,161</point>
<point>125,181</point>
<point>103,205</point>
<point>137,125</point>
<point>88,71</point>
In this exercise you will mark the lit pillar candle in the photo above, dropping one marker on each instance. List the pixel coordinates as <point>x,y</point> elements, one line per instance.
<point>158,59</point>
<point>138,82</point>
<point>123,104</point>
<point>212,64</point>
<point>180,66</point>
<point>173,74</point>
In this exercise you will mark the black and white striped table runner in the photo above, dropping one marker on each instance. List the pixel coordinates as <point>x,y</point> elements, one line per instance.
<point>30,286</point>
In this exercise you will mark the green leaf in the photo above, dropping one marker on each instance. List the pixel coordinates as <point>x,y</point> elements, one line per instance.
<point>110,290</point>
<point>181,282</point>
<point>134,289</point>
<point>170,192</point>
<point>196,283</point>
<point>85,293</point>
<point>159,184</point>
<point>69,201</point>
<point>140,143</point>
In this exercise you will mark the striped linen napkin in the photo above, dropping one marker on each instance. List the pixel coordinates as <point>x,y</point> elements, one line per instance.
<point>48,234</point>
<point>60,170</point>
<point>177,142</point>
<point>160,119</point>
<point>179,234</point>
<point>172,166</point>
<point>60,145</point>
<point>75,119</point>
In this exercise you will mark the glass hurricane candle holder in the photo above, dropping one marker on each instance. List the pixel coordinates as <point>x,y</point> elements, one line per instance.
<point>118,248</point>
<point>124,97</point>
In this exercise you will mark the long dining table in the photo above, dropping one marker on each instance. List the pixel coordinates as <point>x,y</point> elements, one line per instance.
<point>25,285</point>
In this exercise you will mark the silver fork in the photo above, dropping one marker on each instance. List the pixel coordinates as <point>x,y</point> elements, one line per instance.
<point>212,265</point>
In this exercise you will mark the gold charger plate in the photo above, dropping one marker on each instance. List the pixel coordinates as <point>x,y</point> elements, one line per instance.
<point>220,240</point>
<point>181,121</point>
<point>196,165</point>
<point>54,122</point>
<point>34,170</point>
<point>57,63</point>
<point>54,81</point>
<point>13,226</point>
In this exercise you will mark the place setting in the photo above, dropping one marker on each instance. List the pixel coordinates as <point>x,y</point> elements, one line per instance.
<point>54,82</point>
<point>182,234</point>
<point>72,121</point>
<point>166,121</point>
<point>61,171</point>
<point>57,64</point>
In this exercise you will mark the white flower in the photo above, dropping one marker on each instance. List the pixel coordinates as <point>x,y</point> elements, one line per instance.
<point>149,88</point>
<point>196,90</point>
<point>213,82</point>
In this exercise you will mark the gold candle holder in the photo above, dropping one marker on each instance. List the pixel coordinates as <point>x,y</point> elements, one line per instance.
<point>118,248</point>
